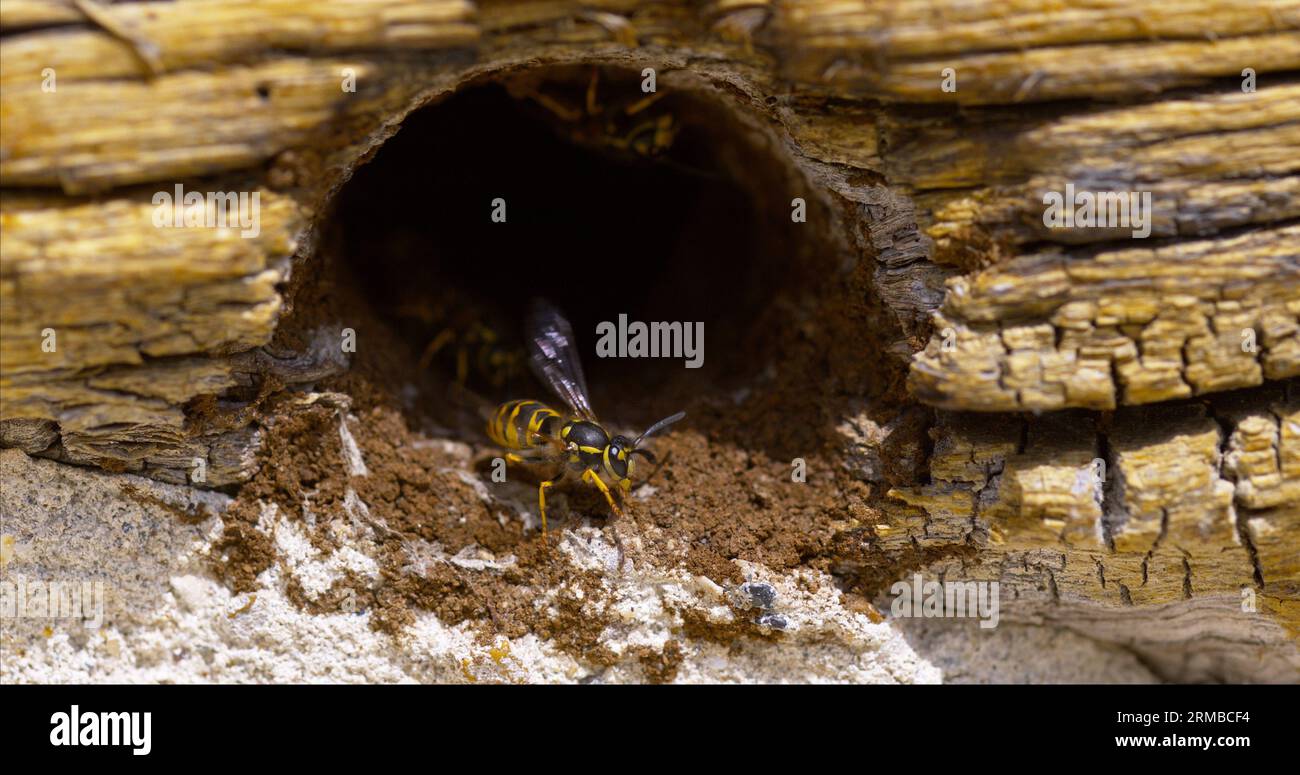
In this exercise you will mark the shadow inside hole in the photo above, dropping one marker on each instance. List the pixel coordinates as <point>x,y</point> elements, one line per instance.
<point>602,234</point>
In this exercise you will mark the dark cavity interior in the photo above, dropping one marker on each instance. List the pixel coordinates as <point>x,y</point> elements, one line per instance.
<point>701,232</point>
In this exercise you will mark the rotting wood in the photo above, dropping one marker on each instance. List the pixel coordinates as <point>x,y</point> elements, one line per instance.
<point>1130,326</point>
<point>1205,500</point>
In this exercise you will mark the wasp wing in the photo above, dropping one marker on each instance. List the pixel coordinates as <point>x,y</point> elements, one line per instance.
<point>554,357</point>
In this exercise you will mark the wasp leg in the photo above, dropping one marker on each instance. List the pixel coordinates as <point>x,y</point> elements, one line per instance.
<point>590,476</point>
<point>440,341</point>
<point>625,494</point>
<point>658,465</point>
<point>541,502</point>
<point>559,109</point>
<point>592,106</point>
<point>644,102</point>
<point>462,365</point>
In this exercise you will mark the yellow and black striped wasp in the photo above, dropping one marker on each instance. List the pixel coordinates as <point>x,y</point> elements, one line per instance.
<point>535,433</point>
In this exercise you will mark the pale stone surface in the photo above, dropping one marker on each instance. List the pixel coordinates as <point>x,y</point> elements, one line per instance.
<point>167,620</point>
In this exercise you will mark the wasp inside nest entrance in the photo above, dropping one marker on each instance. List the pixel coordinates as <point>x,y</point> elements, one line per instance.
<point>617,205</point>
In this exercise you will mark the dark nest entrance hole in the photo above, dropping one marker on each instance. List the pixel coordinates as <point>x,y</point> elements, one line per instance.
<point>412,259</point>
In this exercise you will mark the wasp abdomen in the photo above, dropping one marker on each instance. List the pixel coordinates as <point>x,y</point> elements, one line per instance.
<point>524,424</point>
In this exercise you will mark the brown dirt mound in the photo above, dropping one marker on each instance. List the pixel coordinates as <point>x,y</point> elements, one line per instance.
<point>725,492</point>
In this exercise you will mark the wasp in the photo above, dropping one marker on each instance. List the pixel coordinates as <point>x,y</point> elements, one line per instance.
<point>533,432</point>
<point>464,344</point>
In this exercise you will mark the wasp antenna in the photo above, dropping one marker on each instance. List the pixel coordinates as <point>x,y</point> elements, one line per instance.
<point>653,429</point>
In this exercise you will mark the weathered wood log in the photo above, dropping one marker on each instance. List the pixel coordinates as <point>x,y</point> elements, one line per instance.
<point>1128,352</point>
